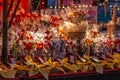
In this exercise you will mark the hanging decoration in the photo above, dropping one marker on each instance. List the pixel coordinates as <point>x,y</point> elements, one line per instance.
<point>105,6</point>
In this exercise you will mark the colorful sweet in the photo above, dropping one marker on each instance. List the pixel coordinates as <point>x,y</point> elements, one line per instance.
<point>42,42</point>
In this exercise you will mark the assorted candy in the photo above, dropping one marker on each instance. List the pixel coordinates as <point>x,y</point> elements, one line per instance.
<point>40,42</point>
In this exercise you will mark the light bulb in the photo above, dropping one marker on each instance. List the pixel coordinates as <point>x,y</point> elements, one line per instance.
<point>79,5</point>
<point>51,7</point>
<point>55,7</point>
<point>110,6</point>
<point>59,7</point>
<point>100,4</point>
<point>118,8</point>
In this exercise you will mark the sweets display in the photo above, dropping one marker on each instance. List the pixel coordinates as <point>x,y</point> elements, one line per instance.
<point>41,42</point>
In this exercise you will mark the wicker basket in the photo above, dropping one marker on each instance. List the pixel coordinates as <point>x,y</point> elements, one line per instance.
<point>76,35</point>
<point>79,31</point>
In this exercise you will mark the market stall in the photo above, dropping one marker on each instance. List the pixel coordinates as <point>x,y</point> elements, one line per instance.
<point>63,42</point>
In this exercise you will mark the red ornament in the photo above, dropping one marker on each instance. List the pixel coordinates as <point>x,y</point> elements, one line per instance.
<point>55,21</point>
<point>39,45</point>
<point>47,32</point>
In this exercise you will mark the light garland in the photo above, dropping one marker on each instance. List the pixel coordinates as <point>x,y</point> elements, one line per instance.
<point>77,6</point>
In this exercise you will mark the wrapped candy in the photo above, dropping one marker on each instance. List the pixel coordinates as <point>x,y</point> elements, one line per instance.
<point>94,33</point>
<point>105,6</point>
<point>39,45</point>
<point>89,41</point>
<point>28,46</point>
<point>56,21</point>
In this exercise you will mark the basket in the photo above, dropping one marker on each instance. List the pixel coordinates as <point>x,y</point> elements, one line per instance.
<point>79,31</point>
<point>76,35</point>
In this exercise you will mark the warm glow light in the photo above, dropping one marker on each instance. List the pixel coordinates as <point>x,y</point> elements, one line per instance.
<point>68,7</point>
<point>83,5</point>
<point>110,6</point>
<point>100,4</point>
<point>86,6</point>
<point>118,8</point>
<point>59,7</point>
<point>51,7</point>
<point>55,7</point>
<point>79,5</point>
<point>90,5</point>
<point>75,6</point>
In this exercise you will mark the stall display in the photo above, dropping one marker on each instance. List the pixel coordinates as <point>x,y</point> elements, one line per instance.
<point>46,43</point>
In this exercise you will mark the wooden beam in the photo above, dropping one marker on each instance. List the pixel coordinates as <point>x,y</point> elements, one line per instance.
<point>5,32</point>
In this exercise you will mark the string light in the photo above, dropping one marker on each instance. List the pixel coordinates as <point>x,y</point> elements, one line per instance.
<point>110,6</point>
<point>79,5</point>
<point>86,6</point>
<point>90,5</point>
<point>75,6</point>
<point>118,8</point>
<point>100,4</point>
<point>59,7</point>
<point>55,7</point>
<point>68,7</point>
<point>51,7</point>
<point>83,5</point>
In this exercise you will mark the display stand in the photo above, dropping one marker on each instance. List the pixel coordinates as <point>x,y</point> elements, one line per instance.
<point>90,75</point>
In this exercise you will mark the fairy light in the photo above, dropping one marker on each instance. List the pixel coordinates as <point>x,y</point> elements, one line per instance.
<point>63,7</point>
<point>118,8</point>
<point>86,6</point>
<point>79,6</point>
<point>100,4</point>
<point>83,5</point>
<point>55,7</point>
<point>90,5</point>
<point>75,6</point>
<point>59,7</point>
<point>110,6</point>
<point>51,7</point>
<point>68,7</point>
